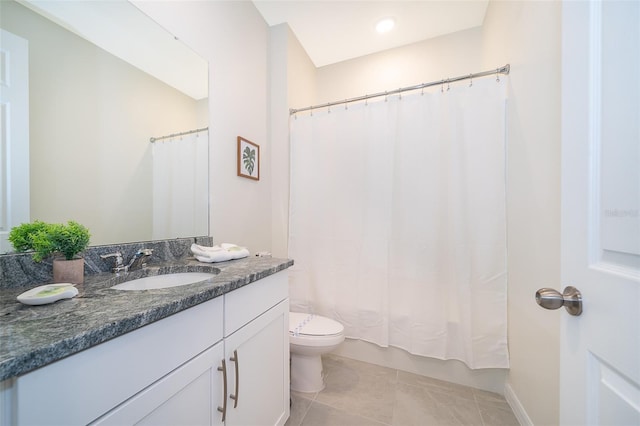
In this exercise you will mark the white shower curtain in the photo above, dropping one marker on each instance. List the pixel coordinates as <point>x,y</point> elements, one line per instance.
<point>180,186</point>
<point>397,221</point>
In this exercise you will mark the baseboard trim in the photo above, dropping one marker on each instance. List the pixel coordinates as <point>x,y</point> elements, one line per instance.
<point>516,406</point>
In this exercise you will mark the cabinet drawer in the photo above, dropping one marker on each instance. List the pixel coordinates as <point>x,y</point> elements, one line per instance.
<point>246,303</point>
<point>82,387</point>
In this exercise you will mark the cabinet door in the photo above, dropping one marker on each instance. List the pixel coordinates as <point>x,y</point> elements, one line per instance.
<point>190,395</point>
<point>257,357</point>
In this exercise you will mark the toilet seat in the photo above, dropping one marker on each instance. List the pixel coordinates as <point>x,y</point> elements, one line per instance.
<point>314,330</point>
<point>313,325</point>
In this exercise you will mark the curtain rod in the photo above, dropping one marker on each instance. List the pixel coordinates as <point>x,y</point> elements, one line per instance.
<point>173,135</point>
<point>502,70</point>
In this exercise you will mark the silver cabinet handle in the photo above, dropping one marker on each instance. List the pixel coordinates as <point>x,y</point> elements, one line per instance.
<point>234,358</point>
<point>570,298</point>
<point>223,409</point>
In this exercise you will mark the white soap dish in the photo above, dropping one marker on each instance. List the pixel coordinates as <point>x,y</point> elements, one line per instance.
<point>48,293</point>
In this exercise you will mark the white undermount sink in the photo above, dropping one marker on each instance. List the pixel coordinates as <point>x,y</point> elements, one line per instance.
<point>164,281</point>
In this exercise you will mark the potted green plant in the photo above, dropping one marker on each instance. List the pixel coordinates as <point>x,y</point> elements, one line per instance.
<point>54,239</point>
<point>21,236</point>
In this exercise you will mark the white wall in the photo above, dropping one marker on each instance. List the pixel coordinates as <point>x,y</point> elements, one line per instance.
<point>292,82</point>
<point>234,38</point>
<point>431,60</point>
<point>527,35</point>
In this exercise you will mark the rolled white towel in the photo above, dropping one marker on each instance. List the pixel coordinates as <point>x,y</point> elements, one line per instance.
<point>218,253</point>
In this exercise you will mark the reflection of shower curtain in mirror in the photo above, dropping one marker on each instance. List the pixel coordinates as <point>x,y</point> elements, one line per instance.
<point>180,182</point>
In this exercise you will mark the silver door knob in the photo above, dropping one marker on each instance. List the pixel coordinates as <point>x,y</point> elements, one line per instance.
<point>570,298</point>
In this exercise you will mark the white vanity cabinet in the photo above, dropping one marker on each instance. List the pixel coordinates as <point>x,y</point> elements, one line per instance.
<point>171,372</point>
<point>82,387</point>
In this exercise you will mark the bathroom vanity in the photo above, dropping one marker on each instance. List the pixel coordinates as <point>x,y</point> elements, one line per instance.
<point>215,352</point>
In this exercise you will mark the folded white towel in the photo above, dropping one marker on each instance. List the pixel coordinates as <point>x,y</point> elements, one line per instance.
<point>215,258</point>
<point>219,253</point>
<point>237,252</point>
<point>205,251</point>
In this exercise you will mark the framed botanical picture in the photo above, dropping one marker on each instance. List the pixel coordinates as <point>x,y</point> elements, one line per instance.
<point>248,159</point>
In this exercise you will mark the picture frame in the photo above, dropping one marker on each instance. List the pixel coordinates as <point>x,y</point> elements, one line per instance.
<point>248,159</point>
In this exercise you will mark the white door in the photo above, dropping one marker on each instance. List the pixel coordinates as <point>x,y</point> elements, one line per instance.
<point>600,349</point>
<point>14,134</point>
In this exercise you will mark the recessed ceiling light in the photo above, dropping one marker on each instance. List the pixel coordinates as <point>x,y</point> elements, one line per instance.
<point>385,25</point>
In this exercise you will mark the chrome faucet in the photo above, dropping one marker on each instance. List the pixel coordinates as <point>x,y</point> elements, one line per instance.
<point>138,260</point>
<point>119,263</point>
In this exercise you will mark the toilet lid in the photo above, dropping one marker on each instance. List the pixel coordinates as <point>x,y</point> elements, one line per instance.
<point>313,325</point>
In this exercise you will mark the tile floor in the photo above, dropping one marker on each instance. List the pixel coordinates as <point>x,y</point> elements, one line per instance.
<point>358,393</point>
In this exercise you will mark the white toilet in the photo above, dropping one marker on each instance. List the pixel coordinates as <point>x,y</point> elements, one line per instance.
<point>310,336</point>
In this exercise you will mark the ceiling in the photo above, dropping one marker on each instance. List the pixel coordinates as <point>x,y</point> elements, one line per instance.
<point>337,30</point>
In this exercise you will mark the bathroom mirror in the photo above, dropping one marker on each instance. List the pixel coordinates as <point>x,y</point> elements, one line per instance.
<point>92,115</point>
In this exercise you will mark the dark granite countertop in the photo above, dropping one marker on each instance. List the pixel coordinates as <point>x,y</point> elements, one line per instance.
<point>34,336</point>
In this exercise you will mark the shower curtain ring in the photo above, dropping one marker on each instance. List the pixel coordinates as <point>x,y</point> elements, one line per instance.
<point>345,105</point>
<point>385,96</point>
<point>422,93</point>
<point>400,93</point>
<point>497,75</point>
<point>442,87</point>
<point>470,80</point>
<point>311,108</point>
<point>448,85</point>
